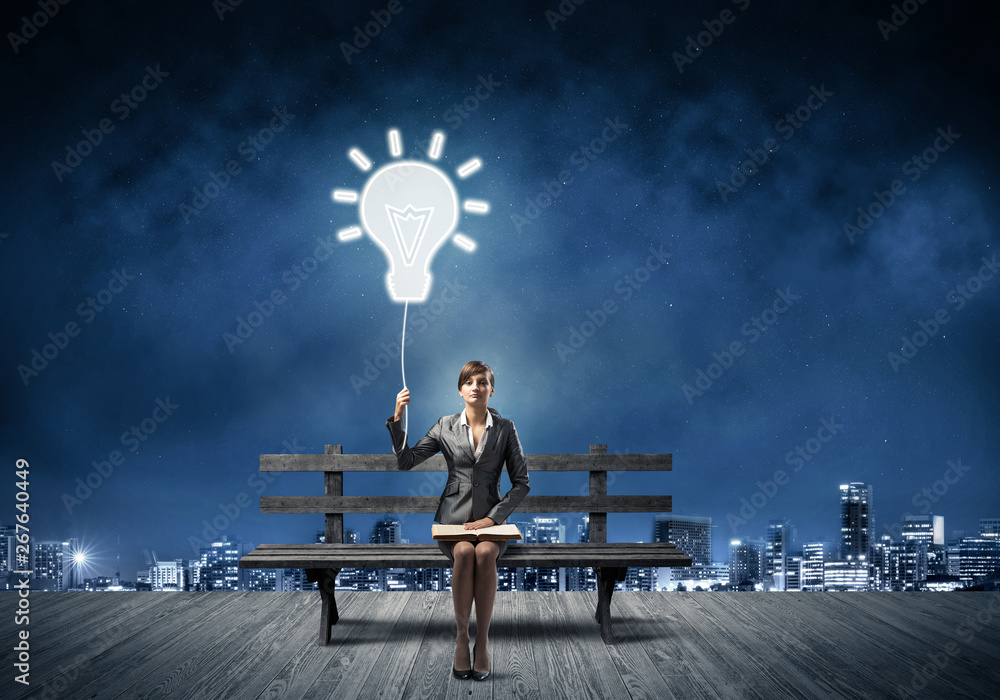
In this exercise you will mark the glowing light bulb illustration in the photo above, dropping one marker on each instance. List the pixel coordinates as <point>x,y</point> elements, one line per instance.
<point>410,208</point>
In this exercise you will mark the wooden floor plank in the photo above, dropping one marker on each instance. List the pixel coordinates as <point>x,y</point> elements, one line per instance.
<point>686,645</point>
<point>513,651</point>
<point>740,645</point>
<point>205,640</point>
<point>565,655</point>
<point>94,650</point>
<point>793,653</point>
<point>131,613</point>
<point>163,657</point>
<point>59,610</point>
<point>346,674</point>
<point>392,668</point>
<point>578,625</point>
<point>303,668</point>
<point>674,636</point>
<point>856,645</point>
<point>430,677</point>
<point>660,642</point>
<point>921,640</point>
<point>637,670</point>
<point>235,669</point>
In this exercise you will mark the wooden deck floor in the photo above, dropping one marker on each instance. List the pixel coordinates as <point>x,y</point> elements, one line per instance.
<point>544,645</point>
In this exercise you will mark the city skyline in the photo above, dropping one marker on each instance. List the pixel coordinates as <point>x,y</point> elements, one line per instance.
<point>842,547</point>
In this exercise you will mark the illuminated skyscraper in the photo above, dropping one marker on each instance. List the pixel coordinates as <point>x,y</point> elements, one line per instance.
<point>813,559</point>
<point>386,531</point>
<point>746,561</point>
<point>219,567</point>
<point>581,578</point>
<point>979,559</point>
<point>691,534</point>
<point>989,527</point>
<point>47,562</point>
<point>855,521</point>
<point>776,553</point>
<point>538,578</point>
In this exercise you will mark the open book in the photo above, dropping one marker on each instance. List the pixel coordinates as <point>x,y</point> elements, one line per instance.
<point>495,533</point>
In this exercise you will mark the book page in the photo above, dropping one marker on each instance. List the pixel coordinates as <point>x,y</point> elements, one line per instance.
<point>458,532</point>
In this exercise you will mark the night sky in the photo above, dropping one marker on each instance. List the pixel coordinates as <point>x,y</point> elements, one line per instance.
<point>630,286</point>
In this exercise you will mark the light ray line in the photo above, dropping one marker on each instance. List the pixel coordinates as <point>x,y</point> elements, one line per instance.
<point>466,244</point>
<point>469,167</point>
<point>395,143</point>
<point>349,233</point>
<point>476,206</point>
<point>360,159</point>
<point>348,196</point>
<point>437,145</point>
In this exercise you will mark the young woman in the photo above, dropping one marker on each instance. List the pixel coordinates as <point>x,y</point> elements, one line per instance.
<point>476,444</point>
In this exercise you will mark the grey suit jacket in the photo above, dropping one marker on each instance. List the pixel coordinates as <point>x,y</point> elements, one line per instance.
<point>472,489</point>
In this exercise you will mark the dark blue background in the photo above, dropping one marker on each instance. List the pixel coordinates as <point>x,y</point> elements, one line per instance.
<point>530,283</point>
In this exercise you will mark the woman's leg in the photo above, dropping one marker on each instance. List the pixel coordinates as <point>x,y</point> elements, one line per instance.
<point>463,578</point>
<point>485,592</point>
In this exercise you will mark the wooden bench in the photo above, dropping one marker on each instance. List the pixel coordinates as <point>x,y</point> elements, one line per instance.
<point>323,562</point>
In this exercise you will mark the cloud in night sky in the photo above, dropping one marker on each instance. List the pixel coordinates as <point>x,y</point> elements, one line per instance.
<point>542,262</point>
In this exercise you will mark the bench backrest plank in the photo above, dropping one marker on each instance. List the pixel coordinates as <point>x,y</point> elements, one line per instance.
<point>334,504</point>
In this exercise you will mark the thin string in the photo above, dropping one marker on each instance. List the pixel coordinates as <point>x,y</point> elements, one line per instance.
<point>402,365</point>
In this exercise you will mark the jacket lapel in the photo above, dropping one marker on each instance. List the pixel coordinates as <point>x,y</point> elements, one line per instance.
<point>491,441</point>
<point>461,439</point>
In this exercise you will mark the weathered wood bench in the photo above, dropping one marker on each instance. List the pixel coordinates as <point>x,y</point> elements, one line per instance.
<point>323,562</point>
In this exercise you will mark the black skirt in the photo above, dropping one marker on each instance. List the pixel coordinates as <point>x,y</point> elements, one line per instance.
<point>446,547</point>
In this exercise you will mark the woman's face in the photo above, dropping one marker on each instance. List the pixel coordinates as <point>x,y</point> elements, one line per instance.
<point>477,390</point>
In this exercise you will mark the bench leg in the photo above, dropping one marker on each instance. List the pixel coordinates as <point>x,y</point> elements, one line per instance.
<point>328,615</point>
<point>606,577</point>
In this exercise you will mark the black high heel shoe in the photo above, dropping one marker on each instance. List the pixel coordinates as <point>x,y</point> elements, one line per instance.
<point>478,675</point>
<point>461,675</point>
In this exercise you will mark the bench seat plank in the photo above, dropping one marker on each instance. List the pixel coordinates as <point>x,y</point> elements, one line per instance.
<point>405,556</point>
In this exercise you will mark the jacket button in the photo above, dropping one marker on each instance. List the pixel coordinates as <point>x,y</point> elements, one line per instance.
<point>475,483</point>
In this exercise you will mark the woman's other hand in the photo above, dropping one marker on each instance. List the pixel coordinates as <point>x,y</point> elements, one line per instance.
<point>402,399</point>
<point>477,524</point>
